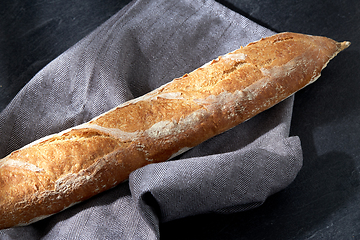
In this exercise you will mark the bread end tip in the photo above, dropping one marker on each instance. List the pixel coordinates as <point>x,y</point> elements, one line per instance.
<point>344,45</point>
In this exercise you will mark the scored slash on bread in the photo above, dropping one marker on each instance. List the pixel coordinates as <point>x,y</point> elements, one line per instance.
<point>60,170</point>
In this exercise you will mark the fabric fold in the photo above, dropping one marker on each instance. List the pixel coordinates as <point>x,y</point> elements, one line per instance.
<point>226,182</point>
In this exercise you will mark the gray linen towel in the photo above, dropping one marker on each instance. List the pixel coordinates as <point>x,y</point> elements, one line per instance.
<point>143,46</point>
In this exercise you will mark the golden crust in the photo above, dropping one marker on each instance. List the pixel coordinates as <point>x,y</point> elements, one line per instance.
<point>58,171</point>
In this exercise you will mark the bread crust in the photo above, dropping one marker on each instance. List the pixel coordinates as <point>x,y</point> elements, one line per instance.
<point>60,170</point>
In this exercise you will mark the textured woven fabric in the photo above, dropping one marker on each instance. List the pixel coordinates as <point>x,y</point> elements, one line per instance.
<point>145,45</point>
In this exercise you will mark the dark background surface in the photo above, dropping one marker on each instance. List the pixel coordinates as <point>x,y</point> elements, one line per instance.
<point>324,200</point>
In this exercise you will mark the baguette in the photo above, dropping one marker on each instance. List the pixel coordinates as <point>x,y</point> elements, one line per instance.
<point>60,170</point>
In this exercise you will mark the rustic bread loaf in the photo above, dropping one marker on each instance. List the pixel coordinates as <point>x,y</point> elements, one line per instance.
<point>58,171</point>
